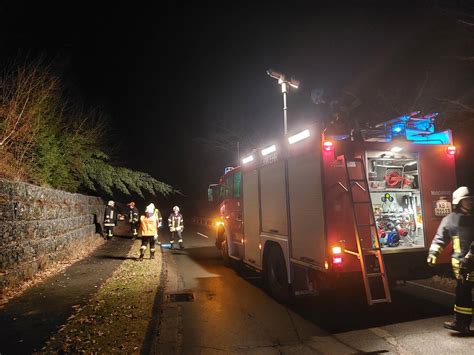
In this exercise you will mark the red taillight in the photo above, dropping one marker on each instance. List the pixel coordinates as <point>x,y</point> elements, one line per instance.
<point>328,146</point>
<point>336,255</point>
<point>451,150</point>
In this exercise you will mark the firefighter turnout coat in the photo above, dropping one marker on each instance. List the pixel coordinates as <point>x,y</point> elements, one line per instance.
<point>175,222</point>
<point>110,217</point>
<point>458,228</point>
<point>133,215</point>
<point>157,214</point>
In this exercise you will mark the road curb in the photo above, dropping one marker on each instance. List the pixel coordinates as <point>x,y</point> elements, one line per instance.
<point>150,344</point>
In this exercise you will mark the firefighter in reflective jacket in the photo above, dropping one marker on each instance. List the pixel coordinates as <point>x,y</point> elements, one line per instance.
<point>133,218</point>
<point>158,216</point>
<point>110,219</point>
<point>160,220</point>
<point>458,227</point>
<point>148,230</point>
<point>176,225</point>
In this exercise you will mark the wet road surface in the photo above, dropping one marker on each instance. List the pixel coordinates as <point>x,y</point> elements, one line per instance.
<point>220,311</point>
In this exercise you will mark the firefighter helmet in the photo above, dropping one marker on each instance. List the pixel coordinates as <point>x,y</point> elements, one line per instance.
<point>175,209</point>
<point>150,208</point>
<point>111,203</point>
<point>460,194</point>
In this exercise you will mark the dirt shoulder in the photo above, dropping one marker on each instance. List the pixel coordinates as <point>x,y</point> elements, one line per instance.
<point>121,317</point>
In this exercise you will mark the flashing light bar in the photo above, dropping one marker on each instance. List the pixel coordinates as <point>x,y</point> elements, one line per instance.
<point>396,149</point>
<point>247,159</point>
<point>336,250</point>
<point>299,136</point>
<point>269,150</point>
<point>451,150</point>
<point>328,146</point>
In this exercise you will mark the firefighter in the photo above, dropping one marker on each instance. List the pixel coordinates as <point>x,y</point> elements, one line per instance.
<point>176,225</point>
<point>157,214</point>
<point>133,218</point>
<point>160,220</point>
<point>110,219</point>
<point>148,230</point>
<point>458,227</point>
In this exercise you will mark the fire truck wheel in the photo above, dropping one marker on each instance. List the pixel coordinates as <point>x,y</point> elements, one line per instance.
<point>220,238</point>
<point>275,275</point>
<point>225,254</point>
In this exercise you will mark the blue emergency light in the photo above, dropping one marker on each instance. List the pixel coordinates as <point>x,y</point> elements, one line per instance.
<point>412,127</point>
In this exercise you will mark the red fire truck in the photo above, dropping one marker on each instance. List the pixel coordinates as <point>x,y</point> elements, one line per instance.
<point>314,210</point>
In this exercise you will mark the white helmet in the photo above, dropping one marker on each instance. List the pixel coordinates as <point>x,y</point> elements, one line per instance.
<point>175,209</point>
<point>150,208</point>
<point>111,203</point>
<point>460,194</point>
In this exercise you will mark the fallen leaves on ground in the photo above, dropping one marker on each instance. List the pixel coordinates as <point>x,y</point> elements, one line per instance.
<point>116,319</point>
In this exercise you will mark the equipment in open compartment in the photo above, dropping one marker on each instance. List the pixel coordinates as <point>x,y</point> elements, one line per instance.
<point>392,171</point>
<point>394,186</point>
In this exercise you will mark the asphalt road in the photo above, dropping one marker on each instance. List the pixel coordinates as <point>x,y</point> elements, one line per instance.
<point>217,311</point>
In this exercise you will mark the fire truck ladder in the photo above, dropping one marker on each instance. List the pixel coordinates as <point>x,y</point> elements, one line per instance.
<point>368,245</point>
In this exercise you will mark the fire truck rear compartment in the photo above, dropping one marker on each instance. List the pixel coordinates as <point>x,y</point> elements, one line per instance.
<point>394,184</point>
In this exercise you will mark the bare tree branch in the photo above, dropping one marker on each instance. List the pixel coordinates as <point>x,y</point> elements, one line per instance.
<point>458,104</point>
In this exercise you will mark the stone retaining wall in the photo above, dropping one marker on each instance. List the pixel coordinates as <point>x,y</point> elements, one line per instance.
<point>40,226</point>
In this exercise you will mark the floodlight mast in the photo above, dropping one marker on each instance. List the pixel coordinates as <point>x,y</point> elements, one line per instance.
<point>284,89</point>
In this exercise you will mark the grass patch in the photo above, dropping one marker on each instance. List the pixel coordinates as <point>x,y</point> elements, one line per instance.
<point>116,319</point>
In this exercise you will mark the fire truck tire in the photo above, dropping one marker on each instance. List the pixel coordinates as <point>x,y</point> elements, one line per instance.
<point>220,238</point>
<point>275,275</point>
<point>225,254</point>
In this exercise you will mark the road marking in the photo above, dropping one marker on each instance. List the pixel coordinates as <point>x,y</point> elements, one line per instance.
<point>202,235</point>
<point>430,288</point>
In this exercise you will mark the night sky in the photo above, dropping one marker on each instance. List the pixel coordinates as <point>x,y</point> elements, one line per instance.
<point>174,76</point>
